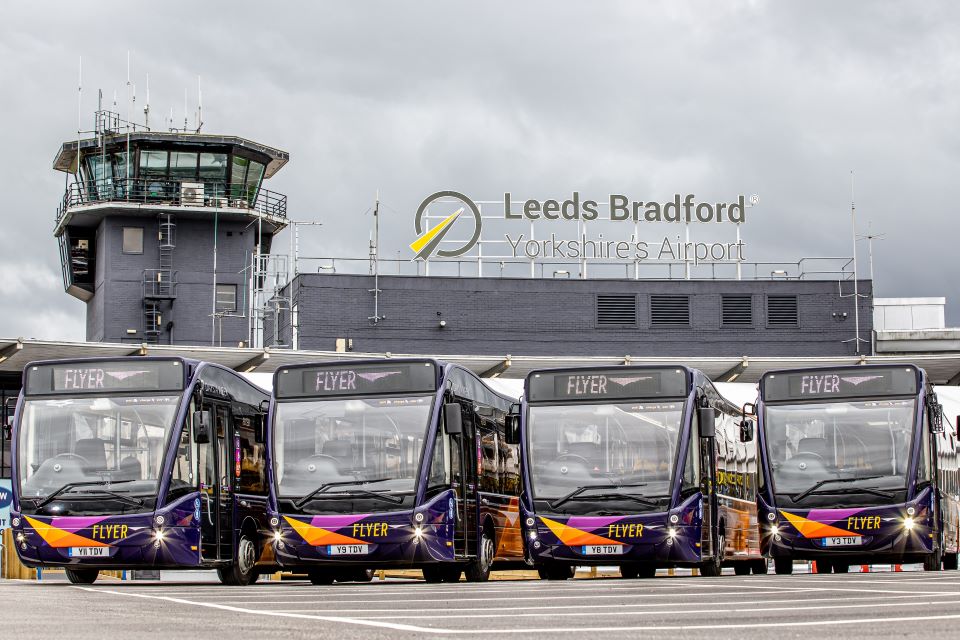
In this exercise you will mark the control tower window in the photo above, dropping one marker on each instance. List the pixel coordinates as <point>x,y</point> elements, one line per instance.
<point>245,176</point>
<point>213,174</point>
<point>133,240</point>
<point>183,165</point>
<point>153,174</point>
<point>105,175</point>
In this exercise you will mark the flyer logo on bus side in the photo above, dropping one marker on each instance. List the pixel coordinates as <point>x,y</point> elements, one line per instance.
<point>429,239</point>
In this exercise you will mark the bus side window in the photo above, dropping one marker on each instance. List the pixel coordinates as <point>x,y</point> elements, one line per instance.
<point>509,457</point>
<point>182,481</point>
<point>691,466</point>
<point>923,465</point>
<point>253,469</point>
<point>440,464</point>
<point>490,472</point>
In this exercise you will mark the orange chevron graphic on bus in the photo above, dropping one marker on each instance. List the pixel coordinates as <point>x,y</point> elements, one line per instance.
<point>814,529</point>
<point>317,536</point>
<point>58,538</point>
<point>573,537</point>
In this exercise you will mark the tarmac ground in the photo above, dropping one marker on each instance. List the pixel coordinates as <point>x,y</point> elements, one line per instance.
<point>857,605</point>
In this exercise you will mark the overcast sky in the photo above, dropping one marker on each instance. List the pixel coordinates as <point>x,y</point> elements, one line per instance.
<point>642,98</point>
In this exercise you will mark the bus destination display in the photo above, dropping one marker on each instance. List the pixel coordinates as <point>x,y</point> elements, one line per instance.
<point>615,384</point>
<point>100,377</point>
<point>359,379</point>
<point>851,383</point>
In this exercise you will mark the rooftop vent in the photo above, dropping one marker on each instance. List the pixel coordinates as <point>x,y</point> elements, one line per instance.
<point>669,310</point>
<point>616,309</point>
<point>736,310</point>
<point>782,310</point>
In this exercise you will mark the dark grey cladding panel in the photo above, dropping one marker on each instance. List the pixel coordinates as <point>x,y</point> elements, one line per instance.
<point>550,317</point>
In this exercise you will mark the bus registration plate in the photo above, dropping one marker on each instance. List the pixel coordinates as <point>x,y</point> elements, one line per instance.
<point>348,549</point>
<point>89,552</point>
<point>603,550</point>
<point>844,541</point>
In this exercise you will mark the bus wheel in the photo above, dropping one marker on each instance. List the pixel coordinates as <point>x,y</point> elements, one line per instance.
<point>629,571</point>
<point>934,561</point>
<point>840,567</point>
<point>950,561</point>
<point>759,567</point>
<point>714,566</point>
<point>356,575</point>
<point>783,566</point>
<point>243,570</point>
<point>560,572</point>
<point>479,569</point>
<point>741,568</point>
<point>82,576</point>
<point>320,576</point>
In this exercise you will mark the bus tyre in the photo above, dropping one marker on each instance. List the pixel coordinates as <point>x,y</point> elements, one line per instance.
<point>741,568</point>
<point>561,572</point>
<point>82,576</point>
<point>714,566</point>
<point>950,561</point>
<point>479,569</point>
<point>435,573</point>
<point>320,576</point>
<point>356,575</point>
<point>840,567</point>
<point>759,567</point>
<point>934,561</point>
<point>243,571</point>
<point>783,566</point>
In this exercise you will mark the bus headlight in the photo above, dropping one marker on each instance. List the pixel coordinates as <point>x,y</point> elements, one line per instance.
<point>418,517</point>
<point>274,521</point>
<point>417,534</point>
<point>158,537</point>
<point>16,522</point>
<point>674,518</point>
<point>277,535</point>
<point>908,523</point>
<point>531,522</point>
<point>774,530</point>
<point>671,533</point>
<point>20,537</point>
<point>533,535</point>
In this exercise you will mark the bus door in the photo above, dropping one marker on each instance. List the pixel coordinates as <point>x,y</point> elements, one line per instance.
<point>708,488</point>
<point>225,472</point>
<point>465,482</point>
<point>209,495</point>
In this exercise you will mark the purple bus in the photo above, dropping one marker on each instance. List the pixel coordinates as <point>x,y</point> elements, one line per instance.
<point>641,467</point>
<point>140,463</point>
<point>391,463</point>
<point>858,468</point>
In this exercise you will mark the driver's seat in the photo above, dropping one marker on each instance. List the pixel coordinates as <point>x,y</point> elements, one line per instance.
<point>93,450</point>
<point>816,446</point>
<point>341,451</point>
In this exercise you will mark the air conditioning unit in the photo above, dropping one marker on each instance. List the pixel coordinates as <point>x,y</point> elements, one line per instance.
<point>191,194</point>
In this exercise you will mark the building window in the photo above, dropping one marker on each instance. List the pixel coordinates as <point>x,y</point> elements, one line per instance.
<point>736,311</point>
<point>616,309</point>
<point>669,310</point>
<point>226,297</point>
<point>782,311</point>
<point>133,239</point>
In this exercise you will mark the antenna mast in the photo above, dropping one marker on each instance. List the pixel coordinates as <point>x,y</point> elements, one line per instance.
<point>375,255</point>
<point>856,293</point>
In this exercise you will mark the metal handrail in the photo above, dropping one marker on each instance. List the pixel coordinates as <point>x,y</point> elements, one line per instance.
<point>494,267</point>
<point>166,192</point>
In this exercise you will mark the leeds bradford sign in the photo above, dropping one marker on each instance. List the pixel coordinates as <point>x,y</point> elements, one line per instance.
<point>465,215</point>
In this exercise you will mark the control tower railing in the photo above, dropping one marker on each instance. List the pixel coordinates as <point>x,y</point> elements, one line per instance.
<point>174,193</point>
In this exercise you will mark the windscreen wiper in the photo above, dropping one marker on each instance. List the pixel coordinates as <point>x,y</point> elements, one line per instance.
<point>576,492</point>
<point>372,494</point>
<point>42,502</point>
<point>137,502</point>
<point>626,496</point>
<point>848,490</point>
<point>801,496</point>
<point>322,488</point>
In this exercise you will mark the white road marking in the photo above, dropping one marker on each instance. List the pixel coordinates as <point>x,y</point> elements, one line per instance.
<point>439,631</point>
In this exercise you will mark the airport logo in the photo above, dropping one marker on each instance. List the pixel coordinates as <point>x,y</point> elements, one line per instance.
<point>428,240</point>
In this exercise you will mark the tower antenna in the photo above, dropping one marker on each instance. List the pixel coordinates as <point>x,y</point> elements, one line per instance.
<point>146,107</point>
<point>199,106</point>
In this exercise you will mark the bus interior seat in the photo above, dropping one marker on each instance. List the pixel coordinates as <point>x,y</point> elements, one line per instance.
<point>816,446</point>
<point>130,468</point>
<point>588,450</point>
<point>93,450</point>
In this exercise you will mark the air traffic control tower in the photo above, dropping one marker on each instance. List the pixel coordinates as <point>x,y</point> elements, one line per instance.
<point>162,234</point>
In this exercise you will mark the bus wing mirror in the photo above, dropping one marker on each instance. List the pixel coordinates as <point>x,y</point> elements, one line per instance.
<point>452,419</point>
<point>7,432</point>
<point>749,409</point>
<point>708,422</point>
<point>201,426</point>
<point>512,428</point>
<point>936,418</point>
<point>746,430</point>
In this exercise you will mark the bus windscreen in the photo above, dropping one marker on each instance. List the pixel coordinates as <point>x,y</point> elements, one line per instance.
<point>357,379</point>
<point>607,384</point>
<point>846,383</point>
<point>105,377</point>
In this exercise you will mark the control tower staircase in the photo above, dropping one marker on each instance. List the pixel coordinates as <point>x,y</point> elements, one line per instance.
<point>160,285</point>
